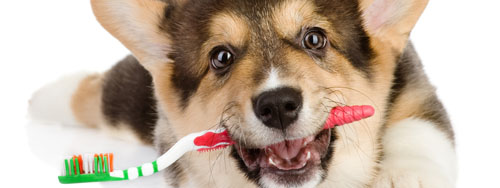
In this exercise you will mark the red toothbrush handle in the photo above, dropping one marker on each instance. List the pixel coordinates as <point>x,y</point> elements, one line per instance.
<point>341,115</point>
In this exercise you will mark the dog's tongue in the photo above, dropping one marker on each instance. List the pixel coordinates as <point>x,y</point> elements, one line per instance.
<point>289,154</point>
<point>289,149</point>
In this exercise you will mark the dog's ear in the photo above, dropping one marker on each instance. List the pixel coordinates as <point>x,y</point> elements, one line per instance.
<point>392,20</point>
<point>138,25</point>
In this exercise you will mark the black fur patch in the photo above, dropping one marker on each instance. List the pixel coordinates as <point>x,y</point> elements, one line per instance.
<point>325,161</point>
<point>127,97</point>
<point>403,68</point>
<point>345,17</point>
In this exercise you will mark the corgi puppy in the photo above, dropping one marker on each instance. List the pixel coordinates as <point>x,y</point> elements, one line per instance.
<point>269,71</point>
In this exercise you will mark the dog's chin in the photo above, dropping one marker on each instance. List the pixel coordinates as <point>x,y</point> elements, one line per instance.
<point>291,163</point>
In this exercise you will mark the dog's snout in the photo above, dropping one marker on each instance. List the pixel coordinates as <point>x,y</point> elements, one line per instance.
<point>278,108</point>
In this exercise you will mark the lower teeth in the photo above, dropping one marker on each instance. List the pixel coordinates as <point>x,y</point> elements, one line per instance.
<point>271,161</point>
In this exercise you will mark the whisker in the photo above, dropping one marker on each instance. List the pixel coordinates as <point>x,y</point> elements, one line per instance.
<point>348,139</point>
<point>352,89</point>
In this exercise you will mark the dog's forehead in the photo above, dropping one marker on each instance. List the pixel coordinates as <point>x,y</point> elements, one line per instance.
<point>237,20</point>
<point>228,27</point>
<point>284,18</point>
<point>290,16</point>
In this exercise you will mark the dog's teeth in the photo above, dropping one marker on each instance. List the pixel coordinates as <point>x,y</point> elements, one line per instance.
<point>303,164</point>
<point>308,155</point>
<point>271,161</point>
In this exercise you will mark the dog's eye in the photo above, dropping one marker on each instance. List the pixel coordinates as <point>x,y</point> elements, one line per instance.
<point>314,39</point>
<point>221,59</point>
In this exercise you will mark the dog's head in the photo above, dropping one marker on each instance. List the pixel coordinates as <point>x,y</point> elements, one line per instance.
<point>270,71</point>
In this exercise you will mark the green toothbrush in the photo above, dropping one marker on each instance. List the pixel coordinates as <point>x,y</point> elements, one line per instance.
<point>99,167</point>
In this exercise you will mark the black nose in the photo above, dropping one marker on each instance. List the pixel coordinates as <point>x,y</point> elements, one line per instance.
<point>278,108</point>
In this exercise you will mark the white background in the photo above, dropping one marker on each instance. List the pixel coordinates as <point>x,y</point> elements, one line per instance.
<point>458,41</point>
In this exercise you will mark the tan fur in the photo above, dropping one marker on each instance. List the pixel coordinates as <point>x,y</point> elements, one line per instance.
<point>291,16</point>
<point>144,39</point>
<point>409,104</point>
<point>227,28</point>
<point>364,4</point>
<point>86,101</point>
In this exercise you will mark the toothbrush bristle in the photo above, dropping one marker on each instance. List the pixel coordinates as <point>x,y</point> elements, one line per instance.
<point>111,162</point>
<point>213,148</point>
<point>87,164</point>
<point>80,163</point>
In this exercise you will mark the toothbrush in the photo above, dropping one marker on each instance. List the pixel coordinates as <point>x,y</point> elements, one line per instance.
<point>99,167</point>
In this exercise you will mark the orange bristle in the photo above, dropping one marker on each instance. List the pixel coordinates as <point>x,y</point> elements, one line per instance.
<point>80,163</point>
<point>111,162</point>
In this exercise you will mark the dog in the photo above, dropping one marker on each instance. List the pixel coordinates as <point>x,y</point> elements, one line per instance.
<point>269,71</point>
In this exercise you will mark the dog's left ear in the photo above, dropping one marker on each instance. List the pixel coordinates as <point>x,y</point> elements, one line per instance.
<point>138,25</point>
<point>392,20</point>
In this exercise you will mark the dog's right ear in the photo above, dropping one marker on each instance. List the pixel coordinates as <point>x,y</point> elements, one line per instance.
<point>138,24</point>
<point>392,20</point>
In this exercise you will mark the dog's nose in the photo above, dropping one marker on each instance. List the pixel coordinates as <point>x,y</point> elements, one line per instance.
<point>278,108</point>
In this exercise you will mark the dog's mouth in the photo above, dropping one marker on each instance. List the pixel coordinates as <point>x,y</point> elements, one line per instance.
<point>290,161</point>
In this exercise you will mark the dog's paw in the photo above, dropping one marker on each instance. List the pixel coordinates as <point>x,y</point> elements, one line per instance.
<point>423,176</point>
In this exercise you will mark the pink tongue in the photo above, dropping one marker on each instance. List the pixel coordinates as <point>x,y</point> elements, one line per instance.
<point>288,149</point>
